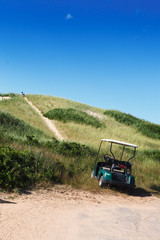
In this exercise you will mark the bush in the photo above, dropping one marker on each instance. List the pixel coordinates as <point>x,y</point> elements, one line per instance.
<point>21,169</point>
<point>31,140</point>
<point>146,128</point>
<point>71,149</point>
<point>8,95</point>
<point>17,169</point>
<point>73,115</point>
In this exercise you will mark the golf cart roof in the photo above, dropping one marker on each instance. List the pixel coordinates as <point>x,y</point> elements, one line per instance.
<point>120,143</point>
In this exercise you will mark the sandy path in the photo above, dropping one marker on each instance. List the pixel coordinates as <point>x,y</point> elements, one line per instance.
<point>74,215</point>
<point>48,122</point>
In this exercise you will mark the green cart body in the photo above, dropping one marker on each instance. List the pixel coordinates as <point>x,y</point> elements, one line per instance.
<point>113,171</point>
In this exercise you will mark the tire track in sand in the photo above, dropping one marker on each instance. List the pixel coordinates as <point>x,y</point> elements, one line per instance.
<point>47,121</point>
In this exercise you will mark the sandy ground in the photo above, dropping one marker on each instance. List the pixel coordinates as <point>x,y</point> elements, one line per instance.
<point>48,122</point>
<point>4,98</point>
<point>94,114</point>
<point>69,214</point>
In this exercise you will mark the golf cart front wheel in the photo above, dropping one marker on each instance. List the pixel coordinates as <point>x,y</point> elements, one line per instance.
<point>92,174</point>
<point>101,181</point>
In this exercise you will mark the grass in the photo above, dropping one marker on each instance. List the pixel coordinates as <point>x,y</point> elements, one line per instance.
<point>64,158</point>
<point>7,95</point>
<point>19,108</point>
<point>113,130</point>
<point>73,115</point>
<point>64,166</point>
<point>89,135</point>
<point>52,162</point>
<point>146,128</point>
<point>146,169</point>
<point>46,103</point>
<point>16,129</point>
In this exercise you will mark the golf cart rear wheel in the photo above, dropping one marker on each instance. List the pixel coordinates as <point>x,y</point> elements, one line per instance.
<point>101,181</point>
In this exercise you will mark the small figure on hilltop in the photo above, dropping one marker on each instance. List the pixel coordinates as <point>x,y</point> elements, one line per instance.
<point>23,95</point>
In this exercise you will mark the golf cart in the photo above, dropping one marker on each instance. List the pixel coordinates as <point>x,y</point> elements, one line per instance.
<point>113,171</point>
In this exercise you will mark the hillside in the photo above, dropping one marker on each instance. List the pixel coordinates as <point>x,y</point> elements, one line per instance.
<point>87,134</point>
<point>82,128</point>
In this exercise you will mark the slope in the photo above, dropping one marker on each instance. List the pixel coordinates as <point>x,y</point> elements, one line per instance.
<point>49,124</point>
<point>87,134</point>
<point>65,158</point>
<point>19,108</point>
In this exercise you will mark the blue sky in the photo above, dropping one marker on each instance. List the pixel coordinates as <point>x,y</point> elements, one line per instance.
<point>103,53</point>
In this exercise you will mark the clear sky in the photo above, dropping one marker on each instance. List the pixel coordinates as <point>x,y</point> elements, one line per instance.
<point>105,53</point>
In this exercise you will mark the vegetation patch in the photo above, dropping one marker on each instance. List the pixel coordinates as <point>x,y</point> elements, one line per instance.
<point>70,149</point>
<point>146,128</point>
<point>51,161</point>
<point>73,115</point>
<point>146,169</point>
<point>153,154</point>
<point>7,95</point>
<point>67,163</point>
<point>14,128</point>
<point>17,168</point>
<point>23,169</point>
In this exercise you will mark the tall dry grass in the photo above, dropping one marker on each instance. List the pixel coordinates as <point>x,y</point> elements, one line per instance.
<point>87,134</point>
<point>19,108</point>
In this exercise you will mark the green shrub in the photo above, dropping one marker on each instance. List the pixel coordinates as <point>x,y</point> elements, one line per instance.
<point>17,169</point>
<point>21,169</point>
<point>31,140</point>
<point>71,149</point>
<point>7,95</point>
<point>146,128</point>
<point>73,115</point>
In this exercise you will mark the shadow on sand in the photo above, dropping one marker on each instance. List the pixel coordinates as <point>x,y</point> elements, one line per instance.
<point>7,202</point>
<point>139,192</point>
<point>136,192</point>
<point>26,192</point>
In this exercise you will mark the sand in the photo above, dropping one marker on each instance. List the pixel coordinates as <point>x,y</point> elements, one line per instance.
<point>69,214</point>
<point>4,98</point>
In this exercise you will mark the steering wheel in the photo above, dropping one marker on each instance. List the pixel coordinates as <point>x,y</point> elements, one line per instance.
<point>107,156</point>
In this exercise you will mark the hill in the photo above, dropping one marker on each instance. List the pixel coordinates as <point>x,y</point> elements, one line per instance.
<point>82,128</point>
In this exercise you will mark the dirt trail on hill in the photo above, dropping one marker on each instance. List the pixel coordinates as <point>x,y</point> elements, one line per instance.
<point>48,122</point>
<point>69,214</point>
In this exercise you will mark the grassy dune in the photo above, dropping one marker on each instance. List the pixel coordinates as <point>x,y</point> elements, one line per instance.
<point>19,108</point>
<point>148,129</point>
<point>16,129</point>
<point>87,134</point>
<point>75,170</point>
<point>46,103</point>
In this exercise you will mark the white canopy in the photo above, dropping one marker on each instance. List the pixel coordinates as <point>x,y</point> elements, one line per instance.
<point>120,143</point>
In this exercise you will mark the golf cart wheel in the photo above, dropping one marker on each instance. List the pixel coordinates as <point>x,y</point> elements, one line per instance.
<point>101,181</point>
<point>92,174</point>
